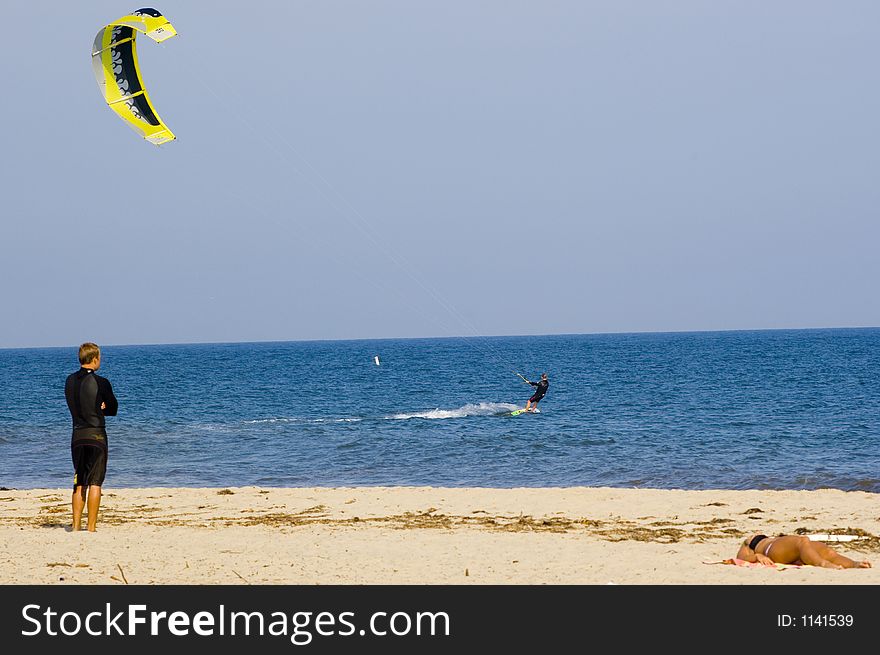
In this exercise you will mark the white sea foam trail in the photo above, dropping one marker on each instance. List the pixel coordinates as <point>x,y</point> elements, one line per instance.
<point>300,419</point>
<point>471,409</point>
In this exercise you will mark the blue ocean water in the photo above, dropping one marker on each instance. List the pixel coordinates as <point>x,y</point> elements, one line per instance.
<point>781,409</point>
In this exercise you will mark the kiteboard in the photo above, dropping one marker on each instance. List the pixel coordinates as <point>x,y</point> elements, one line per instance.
<point>517,412</point>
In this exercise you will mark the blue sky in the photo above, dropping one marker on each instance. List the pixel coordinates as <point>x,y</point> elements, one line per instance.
<point>347,169</point>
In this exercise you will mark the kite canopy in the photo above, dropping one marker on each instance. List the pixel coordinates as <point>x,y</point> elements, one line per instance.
<point>115,63</point>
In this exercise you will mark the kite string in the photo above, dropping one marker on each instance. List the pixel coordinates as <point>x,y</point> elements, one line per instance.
<point>347,211</point>
<point>270,213</point>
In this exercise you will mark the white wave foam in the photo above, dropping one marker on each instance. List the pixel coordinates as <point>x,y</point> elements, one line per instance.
<point>352,419</point>
<point>471,409</point>
<point>272,420</point>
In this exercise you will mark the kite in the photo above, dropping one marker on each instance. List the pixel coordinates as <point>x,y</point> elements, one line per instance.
<point>115,63</point>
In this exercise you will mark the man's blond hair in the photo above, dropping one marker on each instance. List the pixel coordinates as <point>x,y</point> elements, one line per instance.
<point>88,352</point>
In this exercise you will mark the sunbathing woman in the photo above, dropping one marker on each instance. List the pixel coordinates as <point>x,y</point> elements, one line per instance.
<point>792,549</point>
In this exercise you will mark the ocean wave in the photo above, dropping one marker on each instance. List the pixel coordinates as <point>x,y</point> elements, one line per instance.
<point>349,419</point>
<point>471,409</point>
<point>272,420</point>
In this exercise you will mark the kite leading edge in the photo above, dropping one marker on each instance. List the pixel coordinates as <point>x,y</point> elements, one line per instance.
<point>115,63</point>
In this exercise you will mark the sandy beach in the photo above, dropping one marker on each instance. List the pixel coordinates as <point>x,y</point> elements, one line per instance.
<point>424,535</point>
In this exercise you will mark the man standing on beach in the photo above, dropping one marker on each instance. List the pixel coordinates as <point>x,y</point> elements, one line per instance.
<point>89,398</point>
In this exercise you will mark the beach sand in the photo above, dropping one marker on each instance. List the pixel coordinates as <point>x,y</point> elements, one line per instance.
<point>424,535</point>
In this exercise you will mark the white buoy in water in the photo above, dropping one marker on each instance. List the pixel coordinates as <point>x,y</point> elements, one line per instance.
<point>376,359</point>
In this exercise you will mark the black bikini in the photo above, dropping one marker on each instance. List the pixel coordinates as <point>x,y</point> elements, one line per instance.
<point>754,542</point>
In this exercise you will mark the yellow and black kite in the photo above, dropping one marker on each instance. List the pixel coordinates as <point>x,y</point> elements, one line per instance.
<point>115,62</point>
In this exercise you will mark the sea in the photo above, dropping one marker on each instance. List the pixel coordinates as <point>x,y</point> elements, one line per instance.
<point>770,409</point>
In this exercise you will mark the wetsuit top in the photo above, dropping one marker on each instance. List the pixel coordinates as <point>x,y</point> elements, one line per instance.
<point>541,388</point>
<point>85,391</point>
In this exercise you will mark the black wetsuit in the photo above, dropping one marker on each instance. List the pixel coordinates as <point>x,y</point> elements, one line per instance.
<point>540,390</point>
<point>85,391</point>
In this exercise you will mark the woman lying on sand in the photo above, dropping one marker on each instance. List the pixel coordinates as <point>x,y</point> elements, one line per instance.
<point>792,549</point>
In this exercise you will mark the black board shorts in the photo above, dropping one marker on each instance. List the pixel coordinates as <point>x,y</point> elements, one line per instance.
<point>536,398</point>
<point>89,465</point>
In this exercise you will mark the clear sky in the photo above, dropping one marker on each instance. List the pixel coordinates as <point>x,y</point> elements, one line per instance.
<point>351,169</point>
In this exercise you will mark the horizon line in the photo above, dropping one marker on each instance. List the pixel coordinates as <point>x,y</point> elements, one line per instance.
<point>463,337</point>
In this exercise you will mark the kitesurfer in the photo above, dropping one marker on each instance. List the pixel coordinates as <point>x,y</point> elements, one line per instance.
<point>540,390</point>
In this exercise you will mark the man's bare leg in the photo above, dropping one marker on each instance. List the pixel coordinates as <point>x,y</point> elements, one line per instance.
<point>94,502</point>
<point>78,501</point>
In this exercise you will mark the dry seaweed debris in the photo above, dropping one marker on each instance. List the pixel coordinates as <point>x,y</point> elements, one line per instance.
<point>866,541</point>
<point>644,529</point>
